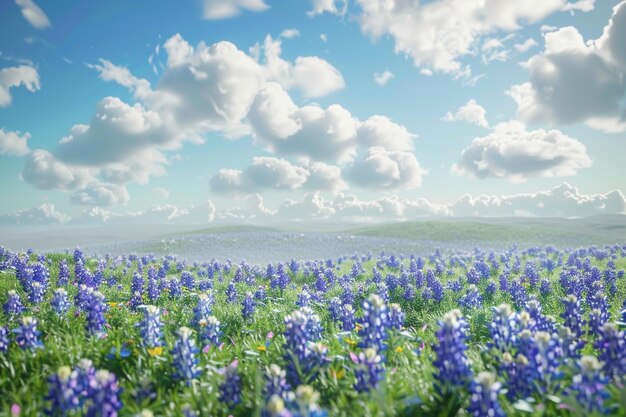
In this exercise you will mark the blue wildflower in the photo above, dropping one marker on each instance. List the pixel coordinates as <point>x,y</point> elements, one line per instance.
<point>396,316</point>
<point>611,347</point>
<point>27,335</point>
<point>62,392</point>
<point>230,388</point>
<point>152,327</point>
<point>452,364</point>
<point>4,339</point>
<point>369,370</point>
<point>373,330</point>
<point>184,356</point>
<point>484,391</point>
<point>103,395</point>
<point>60,303</point>
<point>13,307</point>
<point>276,381</point>
<point>248,305</point>
<point>589,385</point>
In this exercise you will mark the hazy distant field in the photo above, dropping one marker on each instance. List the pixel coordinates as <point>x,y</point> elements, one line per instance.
<point>306,241</point>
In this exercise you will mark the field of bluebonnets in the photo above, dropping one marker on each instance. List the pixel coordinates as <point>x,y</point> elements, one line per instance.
<point>534,332</point>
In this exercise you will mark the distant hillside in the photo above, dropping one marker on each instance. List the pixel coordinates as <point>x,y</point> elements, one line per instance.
<point>592,230</point>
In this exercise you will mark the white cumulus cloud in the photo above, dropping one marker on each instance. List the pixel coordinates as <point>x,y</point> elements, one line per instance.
<point>470,112</point>
<point>224,9</point>
<point>514,153</point>
<point>13,143</point>
<point>12,77</point>
<point>33,14</point>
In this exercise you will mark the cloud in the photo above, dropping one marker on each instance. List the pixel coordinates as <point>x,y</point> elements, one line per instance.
<point>203,213</point>
<point>101,195</point>
<point>161,193</point>
<point>470,112</point>
<point>383,169</point>
<point>290,33</point>
<point>14,77</point>
<point>45,172</point>
<point>526,45</point>
<point>575,81</point>
<point>438,34</point>
<point>383,132</point>
<point>215,88</point>
<point>46,214</point>
<point>561,201</point>
<point>309,131</point>
<point>314,76</point>
<point>312,206</point>
<point>384,78</point>
<point>225,9</point>
<point>117,132</point>
<point>581,5</point>
<point>33,14</point>
<point>13,143</point>
<point>514,153</point>
<point>328,6</point>
<point>277,174</point>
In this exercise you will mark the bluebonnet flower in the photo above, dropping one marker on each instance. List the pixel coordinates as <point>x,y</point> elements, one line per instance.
<point>153,285</point>
<point>452,364</point>
<point>611,347</point>
<point>519,375</point>
<point>64,274</point>
<point>83,297</point>
<point>4,339</point>
<point>248,305</point>
<point>544,356</point>
<point>504,328</point>
<point>174,287</point>
<point>259,294</point>
<point>276,381</point>
<point>301,327</point>
<point>136,300</point>
<point>85,373</point>
<point>184,356</point>
<point>571,316</point>
<point>471,299</point>
<point>210,330</point>
<point>151,327</point>
<point>396,316</point>
<point>545,288</point>
<point>62,392</point>
<point>187,280</point>
<point>304,297</point>
<point>347,317</point>
<point>231,292</point>
<point>335,308</point>
<point>13,307</point>
<point>60,303</point>
<point>103,395</point>
<point>230,388</point>
<point>589,385</point>
<point>204,307</point>
<point>369,370</point>
<point>95,313</point>
<point>518,293</point>
<point>36,293</point>
<point>27,335</point>
<point>484,391</point>
<point>373,330</point>
<point>490,289</point>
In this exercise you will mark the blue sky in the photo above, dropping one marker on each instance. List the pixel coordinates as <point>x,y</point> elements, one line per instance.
<point>481,98</point>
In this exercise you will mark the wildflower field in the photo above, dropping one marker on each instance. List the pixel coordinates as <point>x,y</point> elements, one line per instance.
<point>533,332</point>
